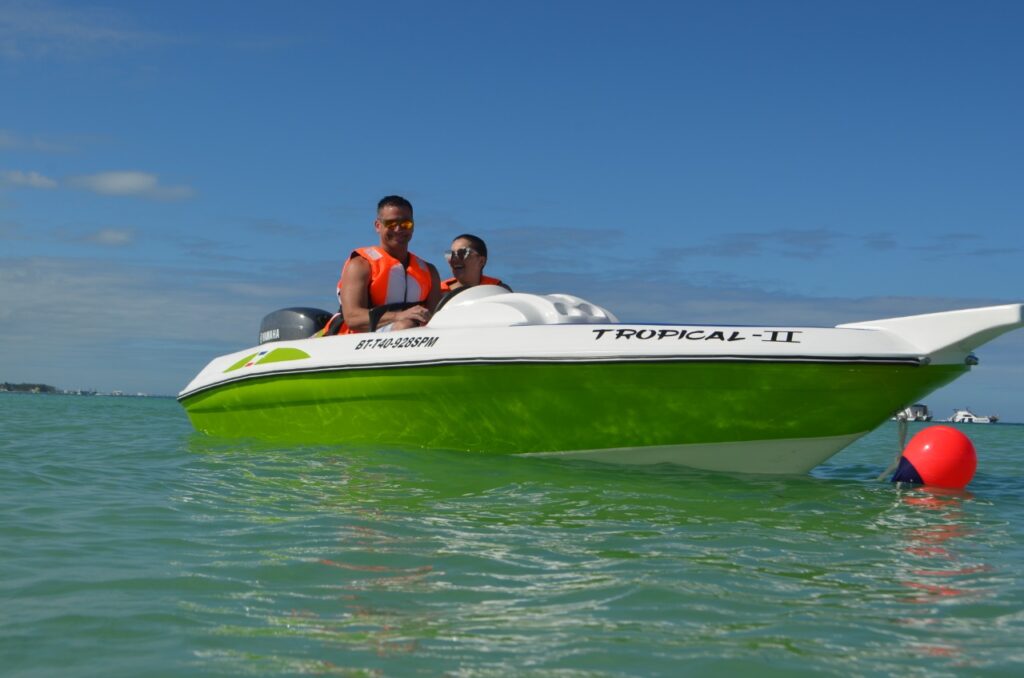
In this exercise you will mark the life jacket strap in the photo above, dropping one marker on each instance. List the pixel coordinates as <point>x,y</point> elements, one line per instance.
<point>334,324</point>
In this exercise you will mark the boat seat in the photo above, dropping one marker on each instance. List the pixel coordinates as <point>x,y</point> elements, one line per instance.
<point>494,306</point>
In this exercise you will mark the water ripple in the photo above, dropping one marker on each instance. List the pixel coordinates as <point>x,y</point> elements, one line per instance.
<point>133,546</point>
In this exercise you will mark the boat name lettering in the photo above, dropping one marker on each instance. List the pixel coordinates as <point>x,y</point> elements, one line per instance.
<point>771,336</point>
<point>397,342</point>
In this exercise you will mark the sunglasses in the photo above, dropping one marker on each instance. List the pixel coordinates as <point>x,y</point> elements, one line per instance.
<point>462,253</point>
<point>392,224</point>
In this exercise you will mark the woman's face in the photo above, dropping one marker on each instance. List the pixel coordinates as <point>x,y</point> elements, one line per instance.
<point>467,270</point>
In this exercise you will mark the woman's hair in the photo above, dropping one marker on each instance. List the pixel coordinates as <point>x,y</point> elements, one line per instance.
<point>477,243</point>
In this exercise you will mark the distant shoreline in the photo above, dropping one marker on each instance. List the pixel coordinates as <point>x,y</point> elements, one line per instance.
<point>46,389</point>
<point>27,388</point>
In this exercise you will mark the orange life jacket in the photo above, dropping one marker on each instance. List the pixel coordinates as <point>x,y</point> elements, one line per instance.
<point>446,285</point>
<point>390,281</point>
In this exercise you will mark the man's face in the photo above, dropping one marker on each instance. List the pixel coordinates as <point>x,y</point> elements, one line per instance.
<point>388,226</point>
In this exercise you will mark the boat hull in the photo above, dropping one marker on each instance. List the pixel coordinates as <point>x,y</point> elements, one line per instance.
<point>502,373</point>
<point>758,416</point>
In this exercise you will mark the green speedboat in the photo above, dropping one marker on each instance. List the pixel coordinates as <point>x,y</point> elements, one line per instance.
<point>503,373</point>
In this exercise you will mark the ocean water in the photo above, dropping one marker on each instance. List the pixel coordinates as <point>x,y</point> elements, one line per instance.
<point>132,546</point>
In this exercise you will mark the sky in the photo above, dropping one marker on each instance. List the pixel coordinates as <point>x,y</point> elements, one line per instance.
<point>172,172</point>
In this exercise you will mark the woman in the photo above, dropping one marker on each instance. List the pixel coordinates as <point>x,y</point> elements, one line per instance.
<point>467,257</point>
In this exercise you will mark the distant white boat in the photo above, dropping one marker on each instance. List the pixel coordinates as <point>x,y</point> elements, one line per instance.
<point>916,412</point>
<point>965,416</point>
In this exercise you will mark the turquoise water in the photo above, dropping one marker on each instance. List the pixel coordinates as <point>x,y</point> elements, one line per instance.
<point>132,546</point>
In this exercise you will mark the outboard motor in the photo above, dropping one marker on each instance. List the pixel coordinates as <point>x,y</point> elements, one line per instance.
<point>292,323</point>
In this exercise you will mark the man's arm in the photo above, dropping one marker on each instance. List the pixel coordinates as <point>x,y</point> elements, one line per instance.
<point>435,288</point>
<point>355,294</point>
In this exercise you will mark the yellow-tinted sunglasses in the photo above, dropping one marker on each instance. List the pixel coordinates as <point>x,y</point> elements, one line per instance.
<point>392,224</point>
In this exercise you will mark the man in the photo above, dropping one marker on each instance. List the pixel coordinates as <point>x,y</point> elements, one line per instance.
<point>386,287</point>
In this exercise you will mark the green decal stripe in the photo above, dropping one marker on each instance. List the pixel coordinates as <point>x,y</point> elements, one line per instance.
<point>276,356</point>
<point>282,354</point>
<point>240,363</point>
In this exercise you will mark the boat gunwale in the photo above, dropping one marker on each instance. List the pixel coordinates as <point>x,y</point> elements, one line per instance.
<point>445,362</point>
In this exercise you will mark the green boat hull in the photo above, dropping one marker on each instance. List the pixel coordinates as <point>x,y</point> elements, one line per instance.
<point>501,409</point>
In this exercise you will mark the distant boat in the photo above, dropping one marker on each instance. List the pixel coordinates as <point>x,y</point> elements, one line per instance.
<point>916,412</point>
<point>965,416</point>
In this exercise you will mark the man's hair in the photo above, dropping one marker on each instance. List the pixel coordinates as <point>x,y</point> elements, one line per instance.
<point>394,201</point>
<point>477,243</point>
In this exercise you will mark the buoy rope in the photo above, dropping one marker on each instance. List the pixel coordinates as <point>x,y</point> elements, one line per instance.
<point>902,419</point>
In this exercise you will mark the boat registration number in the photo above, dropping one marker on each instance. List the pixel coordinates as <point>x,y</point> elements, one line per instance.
<point>396,342</point>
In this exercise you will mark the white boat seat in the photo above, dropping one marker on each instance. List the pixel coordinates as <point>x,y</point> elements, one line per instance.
<point>494,306</point>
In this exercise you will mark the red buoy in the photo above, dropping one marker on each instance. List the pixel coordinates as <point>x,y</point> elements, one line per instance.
<point>941,456</point>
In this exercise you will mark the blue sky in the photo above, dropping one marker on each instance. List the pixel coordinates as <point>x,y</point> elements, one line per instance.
<point>170,172</point>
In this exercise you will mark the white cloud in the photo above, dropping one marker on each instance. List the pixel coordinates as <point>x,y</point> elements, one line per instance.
<point>806,244</point>
<point>118,183</point>
<point>138,326</point>
<point>27,179</point>
<point>13,142</point>
<point>115,237</point>
<point>40,30</point>
<point>130,183</point>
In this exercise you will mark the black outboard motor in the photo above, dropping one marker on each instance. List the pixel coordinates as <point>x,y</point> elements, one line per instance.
<point>292,323</point>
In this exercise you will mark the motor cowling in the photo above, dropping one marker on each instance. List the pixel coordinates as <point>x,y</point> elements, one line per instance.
<point>292,323</point>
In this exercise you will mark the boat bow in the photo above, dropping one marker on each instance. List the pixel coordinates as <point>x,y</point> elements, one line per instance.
<point>949,336</point>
